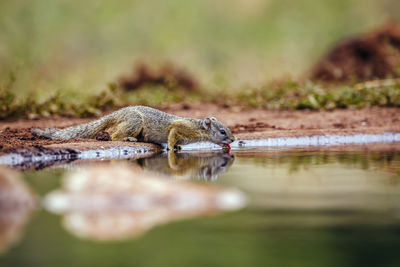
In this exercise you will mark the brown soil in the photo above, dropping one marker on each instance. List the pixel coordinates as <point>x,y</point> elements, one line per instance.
<point>256,123</point>
<point>245,124</point>
<point>21,137</point>
<point>167,75</point>
<point>375,55</point>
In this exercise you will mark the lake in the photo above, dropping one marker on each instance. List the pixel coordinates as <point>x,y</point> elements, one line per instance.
<point>303,208</point>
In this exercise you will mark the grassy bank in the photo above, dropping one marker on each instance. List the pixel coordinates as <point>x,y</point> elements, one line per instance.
<point>288,95</point>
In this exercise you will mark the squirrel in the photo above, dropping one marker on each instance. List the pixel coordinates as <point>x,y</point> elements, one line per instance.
<point>141,123</point>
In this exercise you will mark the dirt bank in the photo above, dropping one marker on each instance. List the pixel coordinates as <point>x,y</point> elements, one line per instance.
<point>373,55</point>
<point>245,123</point>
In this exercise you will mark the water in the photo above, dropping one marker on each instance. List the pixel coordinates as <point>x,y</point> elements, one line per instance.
<point>303,141</point>
<point>304,208</point>
<point>43,158</point>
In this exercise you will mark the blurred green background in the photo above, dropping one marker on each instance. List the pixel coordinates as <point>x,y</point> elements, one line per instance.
<point>77,47</point>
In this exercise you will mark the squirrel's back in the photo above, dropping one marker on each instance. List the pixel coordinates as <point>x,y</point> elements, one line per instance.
<point>148,117</point>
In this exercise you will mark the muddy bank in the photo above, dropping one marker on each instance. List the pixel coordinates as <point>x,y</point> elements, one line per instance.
<point>257,124</point>
<point>245,124</point>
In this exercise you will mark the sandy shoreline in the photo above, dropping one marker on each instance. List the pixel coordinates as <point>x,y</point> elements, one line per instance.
<point>245,123</point>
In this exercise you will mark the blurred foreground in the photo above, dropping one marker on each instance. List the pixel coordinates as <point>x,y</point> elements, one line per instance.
<point>305,208</point>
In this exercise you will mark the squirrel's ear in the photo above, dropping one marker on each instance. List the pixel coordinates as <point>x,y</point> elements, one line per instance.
<point>207,123</point>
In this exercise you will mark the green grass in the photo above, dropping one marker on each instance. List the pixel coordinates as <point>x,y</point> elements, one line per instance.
<point>289,95</point>
<point>309,95</point>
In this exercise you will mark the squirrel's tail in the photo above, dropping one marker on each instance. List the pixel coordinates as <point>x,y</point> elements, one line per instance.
<point>87,130</point>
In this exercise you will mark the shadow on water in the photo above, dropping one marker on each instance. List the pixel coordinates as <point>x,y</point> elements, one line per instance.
<point>305,208</point>
<point>203,167</point>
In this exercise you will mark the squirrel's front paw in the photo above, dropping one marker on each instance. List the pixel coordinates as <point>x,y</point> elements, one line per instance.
<point>177,148</point>
<point>129,139</point>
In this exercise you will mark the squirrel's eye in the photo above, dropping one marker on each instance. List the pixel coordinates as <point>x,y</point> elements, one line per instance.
<point>222,131</point>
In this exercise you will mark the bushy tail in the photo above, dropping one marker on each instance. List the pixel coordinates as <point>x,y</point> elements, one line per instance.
<point>87,130</point>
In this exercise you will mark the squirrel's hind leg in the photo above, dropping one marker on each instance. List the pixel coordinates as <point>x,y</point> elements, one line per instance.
<point>127,132</point>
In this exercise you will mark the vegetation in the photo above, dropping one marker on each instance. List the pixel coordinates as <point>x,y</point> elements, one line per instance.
<point>309,95</point>
<point>290,95</point>
<point>65,57</point>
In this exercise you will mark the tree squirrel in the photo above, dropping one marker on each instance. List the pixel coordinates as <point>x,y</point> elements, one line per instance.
<point>141,123</point>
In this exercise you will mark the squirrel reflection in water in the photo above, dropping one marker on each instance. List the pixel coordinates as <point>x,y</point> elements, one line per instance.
<point>204,166</point>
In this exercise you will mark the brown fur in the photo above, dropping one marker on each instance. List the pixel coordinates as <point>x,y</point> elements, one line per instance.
<point>140,123</point>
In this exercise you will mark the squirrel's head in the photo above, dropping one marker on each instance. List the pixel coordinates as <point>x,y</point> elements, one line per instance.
<point>217,132</point>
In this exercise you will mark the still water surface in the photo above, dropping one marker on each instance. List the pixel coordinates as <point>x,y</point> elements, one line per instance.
<point>305,208</point>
